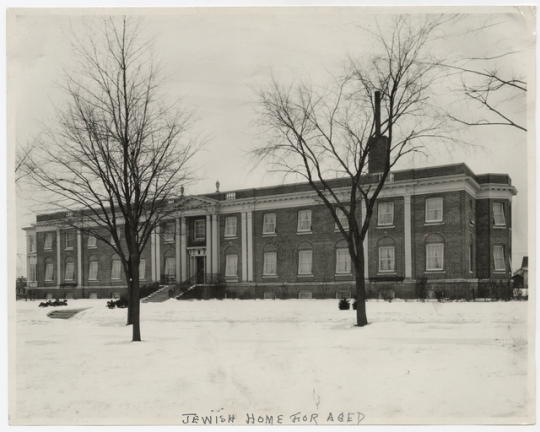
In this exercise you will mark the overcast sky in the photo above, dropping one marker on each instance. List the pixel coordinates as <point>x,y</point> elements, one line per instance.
<point>215,58</point>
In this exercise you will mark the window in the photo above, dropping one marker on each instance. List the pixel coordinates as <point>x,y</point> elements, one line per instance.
<point>269,223</point>
<point>270,264</point>
<point>31,243</point>
<point>170,267</point>
<point>385,213</point>
<point>200,229</point>
<point>32,273</point>
<point>342,219</point>
<point>93,268</point>
<point>434,210</point>
<point>230,227</point>
<point>498,214</point>
<point>48,241</point>
<point>142,269</point>
<point>435,256</point>
<point>92,241</point>
<point>343,261</point>
<point>49,270</point>
<point>387,259</point>
<point>231,265</point>
<point>116,267</point>
<point>304,221</point>
<point>70,270</point>
<point>305,258</point>
<point>471,209</point>
<point>168,232</point>
<point>498,258</point>
<point>70,238</point>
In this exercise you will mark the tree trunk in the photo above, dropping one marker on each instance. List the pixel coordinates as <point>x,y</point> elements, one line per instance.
<point>361,317</point>
<point>135,305</point>
<point>130,303</point>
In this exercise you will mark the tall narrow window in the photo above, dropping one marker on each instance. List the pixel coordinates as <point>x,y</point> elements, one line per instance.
<point>305,260</point>
<point>168,232</point>
<point>231,265</point>
<point>343,220</point>
<point>200,229</point>
<point>304,221</point>
<point>498,214</point>
<point>49,270</point>
<point>170,267</point>
<point>471,210</point>
<point>434,210</point>
<point>435,256</point>
<point>70,239</point>
<point>230,226</point>
<point>385,213</point>
<point>92,242</point>
<point>48,241</point>
<point>92,268</point>
<point>116,267</point>
<point>270,264</point>
<point>269,223</point>
<point>498,258</point>
<point>343,261</point>
<point>32,270</point>
<point>70,270</point>
<point>142,269</point>
<point>387,260</point>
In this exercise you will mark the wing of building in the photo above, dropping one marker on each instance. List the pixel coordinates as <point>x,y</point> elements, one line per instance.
<point>442,226</point>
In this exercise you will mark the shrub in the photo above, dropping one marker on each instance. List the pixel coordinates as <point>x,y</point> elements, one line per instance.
<point>121,303</point>
<point>344,304</point>
<point>420,288</point>
<point>53,303</point>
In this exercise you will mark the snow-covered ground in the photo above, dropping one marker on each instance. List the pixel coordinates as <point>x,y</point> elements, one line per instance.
<point>416,362</point>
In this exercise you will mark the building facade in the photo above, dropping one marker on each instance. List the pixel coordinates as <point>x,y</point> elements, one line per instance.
<point>443,228</point>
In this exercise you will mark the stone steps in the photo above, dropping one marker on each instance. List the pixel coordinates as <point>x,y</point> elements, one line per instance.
<point>65,313</point>
<point>159,296</point>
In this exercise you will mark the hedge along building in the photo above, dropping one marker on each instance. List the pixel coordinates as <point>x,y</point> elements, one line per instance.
<point>441,227</point>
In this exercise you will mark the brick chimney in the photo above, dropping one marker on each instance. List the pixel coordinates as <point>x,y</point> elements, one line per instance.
<point>378,144</point>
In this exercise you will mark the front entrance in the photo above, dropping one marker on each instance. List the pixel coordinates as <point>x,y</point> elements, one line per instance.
<point>199,269</point>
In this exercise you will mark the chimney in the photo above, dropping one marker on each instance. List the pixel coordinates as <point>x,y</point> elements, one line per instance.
<point>377,114</point>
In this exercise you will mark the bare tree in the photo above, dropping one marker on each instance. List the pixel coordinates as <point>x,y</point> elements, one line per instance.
<point>491,91</point>
<point>23,161</point>
<point>335,139</point>
<point>118,151</point>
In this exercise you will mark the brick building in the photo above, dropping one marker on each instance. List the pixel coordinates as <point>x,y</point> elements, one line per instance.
<point>443,227</point>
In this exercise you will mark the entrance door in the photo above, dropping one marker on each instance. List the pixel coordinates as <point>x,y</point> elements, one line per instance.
<point>199,269</point>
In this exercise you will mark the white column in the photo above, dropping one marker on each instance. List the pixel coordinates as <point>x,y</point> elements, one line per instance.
<point>79,259</point>
<point>208,268</point>
<point>153,254</point>
<point>366,242</point>
<point>177,255</point>
<point>244,248</point>
<point>158,255</point>
<point>183,261</point>
<point>215,250</point>
<point>408,243</point>
<point>58,263</point>
<point>250,246</point>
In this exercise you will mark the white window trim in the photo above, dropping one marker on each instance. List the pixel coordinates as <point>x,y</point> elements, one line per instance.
<point>51,278</point>
<point>119,269</point>
<point>235,225</point>
<point>311,269</point>
<point>442,210</point>
<point>168,235</point>
<point>275,264</point>
<point>495,268</point>
<point>94,245</point>
<point>427,258</point>
<point>503,224</point>
<point>227,274</point>
<point>203,222</point>
<point>379,223</point>
<point>90,270</point>
<point>308,230</point>
<point>72,240</point>
<point>142,274</point>
<point>265,232</point>
<point>72,278</point>
<point>342,219</point>
<point>338,272</point>
<point>173,267</point>
<point>48,236</point>
<point>393,270</point>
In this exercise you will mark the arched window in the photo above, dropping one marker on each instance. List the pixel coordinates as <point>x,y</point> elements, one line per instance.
<point>49,270</point>
<point>92,268</point>
<point>69,275</point>
<point>387,254</point>
<point>435,252</point>
<point>270,260</point>
<point>231,262</point>
<point>170,264</point>
<point>305,259</point>
<point>116,267</point>
<point>343,258</point>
